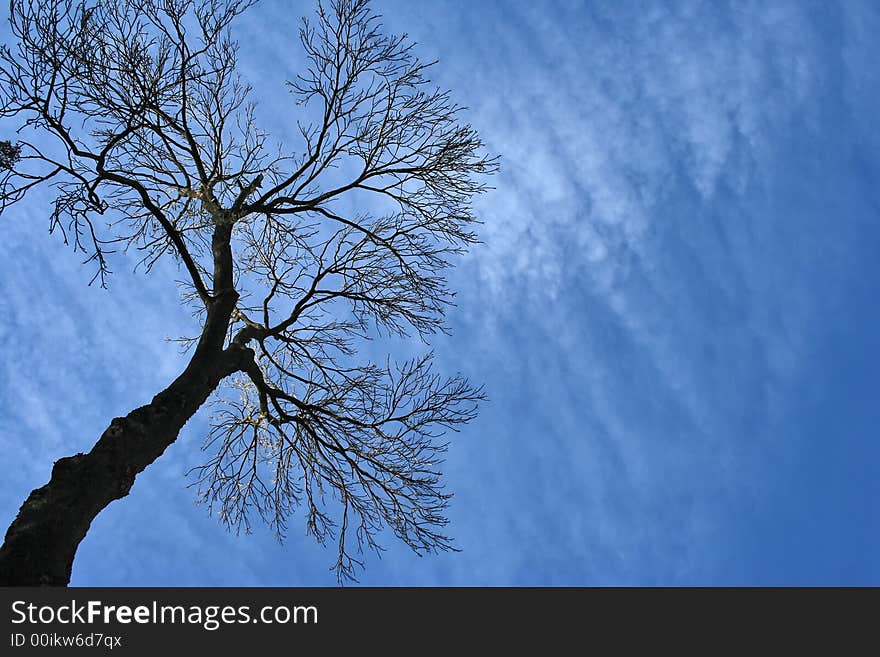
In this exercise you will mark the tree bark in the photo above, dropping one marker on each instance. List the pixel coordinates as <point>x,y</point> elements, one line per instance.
<point>41,543</point>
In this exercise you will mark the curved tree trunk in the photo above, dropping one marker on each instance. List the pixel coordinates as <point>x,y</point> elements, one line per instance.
<point>41,543</point>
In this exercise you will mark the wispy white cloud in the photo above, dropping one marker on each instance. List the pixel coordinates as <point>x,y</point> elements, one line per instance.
<point>644,197</point>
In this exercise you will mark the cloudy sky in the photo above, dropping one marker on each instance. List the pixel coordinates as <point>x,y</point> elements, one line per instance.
<point>673,311</point>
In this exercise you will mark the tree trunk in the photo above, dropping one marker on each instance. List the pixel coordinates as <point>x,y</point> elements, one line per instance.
<point>41,543</point>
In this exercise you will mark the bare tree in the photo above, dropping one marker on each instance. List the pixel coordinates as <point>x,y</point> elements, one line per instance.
<point>133,113</point>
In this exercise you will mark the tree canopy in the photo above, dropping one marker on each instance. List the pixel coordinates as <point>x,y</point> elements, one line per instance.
<point>134,114</point>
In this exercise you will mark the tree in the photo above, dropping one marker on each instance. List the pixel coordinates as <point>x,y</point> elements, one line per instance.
<point>9,154</point>
<point>148,138</point>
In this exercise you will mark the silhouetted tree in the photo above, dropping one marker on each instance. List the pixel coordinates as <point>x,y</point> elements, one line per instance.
<point>9,154</point>
<point>134,115</point>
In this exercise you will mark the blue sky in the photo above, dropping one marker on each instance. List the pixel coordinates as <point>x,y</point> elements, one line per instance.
<point>673,311</point>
